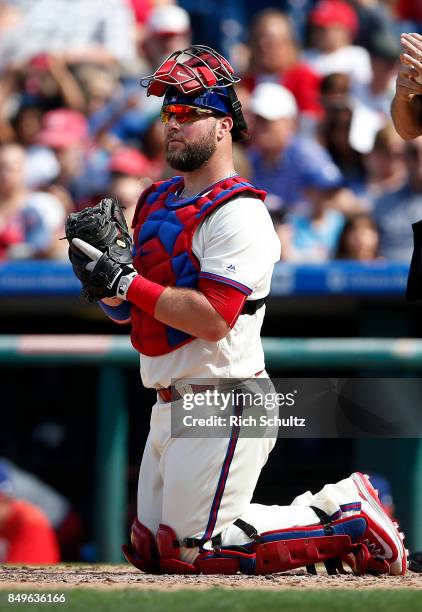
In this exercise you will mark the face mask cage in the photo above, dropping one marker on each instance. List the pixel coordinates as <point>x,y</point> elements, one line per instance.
<point>191,70</point>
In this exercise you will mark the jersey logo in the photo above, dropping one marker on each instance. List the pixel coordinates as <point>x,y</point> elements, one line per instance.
<point>231,268</point>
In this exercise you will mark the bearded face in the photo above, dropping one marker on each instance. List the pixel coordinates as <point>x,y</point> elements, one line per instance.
<point>188,153</point>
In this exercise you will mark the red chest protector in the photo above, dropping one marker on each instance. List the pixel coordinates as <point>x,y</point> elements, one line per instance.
<point>164,226</point>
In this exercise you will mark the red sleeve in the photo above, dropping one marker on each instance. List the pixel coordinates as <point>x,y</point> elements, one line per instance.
<point>31,538</point>
<point>226,300</point>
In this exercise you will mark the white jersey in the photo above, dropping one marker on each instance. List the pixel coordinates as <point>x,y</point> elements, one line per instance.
<point>236,242</point>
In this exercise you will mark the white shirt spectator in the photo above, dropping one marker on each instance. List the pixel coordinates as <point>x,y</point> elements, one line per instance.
<point>351,60</point>
<point>379,103</point>
<point>70,25</point>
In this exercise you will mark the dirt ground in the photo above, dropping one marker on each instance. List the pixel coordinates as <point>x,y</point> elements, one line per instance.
<point>61,577</point>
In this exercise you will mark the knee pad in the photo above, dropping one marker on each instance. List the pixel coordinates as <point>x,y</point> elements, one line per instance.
<point>143,552</point>
<point>169,553</point>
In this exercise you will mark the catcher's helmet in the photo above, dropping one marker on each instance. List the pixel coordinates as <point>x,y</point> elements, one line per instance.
<point>199,76</point>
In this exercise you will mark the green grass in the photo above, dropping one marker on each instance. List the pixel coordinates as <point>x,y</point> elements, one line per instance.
<point>90,600</point>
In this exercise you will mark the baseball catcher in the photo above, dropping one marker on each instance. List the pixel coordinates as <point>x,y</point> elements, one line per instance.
<point>204,248</point>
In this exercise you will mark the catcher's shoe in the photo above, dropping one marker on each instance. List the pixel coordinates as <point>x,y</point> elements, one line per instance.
<point>382,536</point>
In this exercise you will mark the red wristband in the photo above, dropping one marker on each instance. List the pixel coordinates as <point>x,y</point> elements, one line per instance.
<point>144,294</point>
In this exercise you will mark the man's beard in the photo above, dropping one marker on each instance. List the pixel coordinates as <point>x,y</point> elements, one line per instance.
<point>194,154</point>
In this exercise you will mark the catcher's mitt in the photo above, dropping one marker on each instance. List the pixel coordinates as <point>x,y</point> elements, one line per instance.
<point>104,227</point>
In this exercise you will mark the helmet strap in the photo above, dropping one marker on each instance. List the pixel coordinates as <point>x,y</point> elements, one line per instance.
<point>240,128</point>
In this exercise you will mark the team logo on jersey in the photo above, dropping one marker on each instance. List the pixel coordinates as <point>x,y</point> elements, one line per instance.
<point>231,268</point>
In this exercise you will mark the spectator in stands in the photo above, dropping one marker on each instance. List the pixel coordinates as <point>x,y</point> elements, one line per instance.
<point>275,58</point>
<point>83,167</point>
<point>312,236</point>
<point>336,136</point>
<point>359,239</point>
<point>30,222</point>
<point>334,87</point>
<point>26,125</point>
<point>106,104</point>
<point>82,31</point>
<point>26,535</point>
<point>395,212</point>
<point>47,81</point>
<point>333,26</point>
<point>153,146</point>
<point>281,161</point>
<point>42,166</point>
<point>99,85</point>
<point>376,16</point>
<point>63,518</point>
<point>379,92</point>
<point>360,124</point>
<point>168,29</point>
<point>130,174</point>
<point>385,166</point>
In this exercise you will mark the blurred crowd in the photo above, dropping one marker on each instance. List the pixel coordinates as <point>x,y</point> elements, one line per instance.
<point>318,80</point>
<point>37,523</point>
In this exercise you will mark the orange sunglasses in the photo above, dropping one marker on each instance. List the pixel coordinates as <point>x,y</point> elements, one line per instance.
<point>184,113</point>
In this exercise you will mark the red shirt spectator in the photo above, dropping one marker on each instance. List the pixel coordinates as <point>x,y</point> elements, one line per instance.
<point>30,222</point>
<point>301,81</point>
<point>274,58</point>
<point>26,536</point>
<point>333,27</point>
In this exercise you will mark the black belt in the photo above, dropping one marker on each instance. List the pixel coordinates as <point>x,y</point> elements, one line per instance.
<point>251,306</point>
<point>171,394</point>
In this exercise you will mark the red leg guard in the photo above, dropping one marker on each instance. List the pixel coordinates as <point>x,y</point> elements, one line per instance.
<point>144,553</point>
<point>283,555</point>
